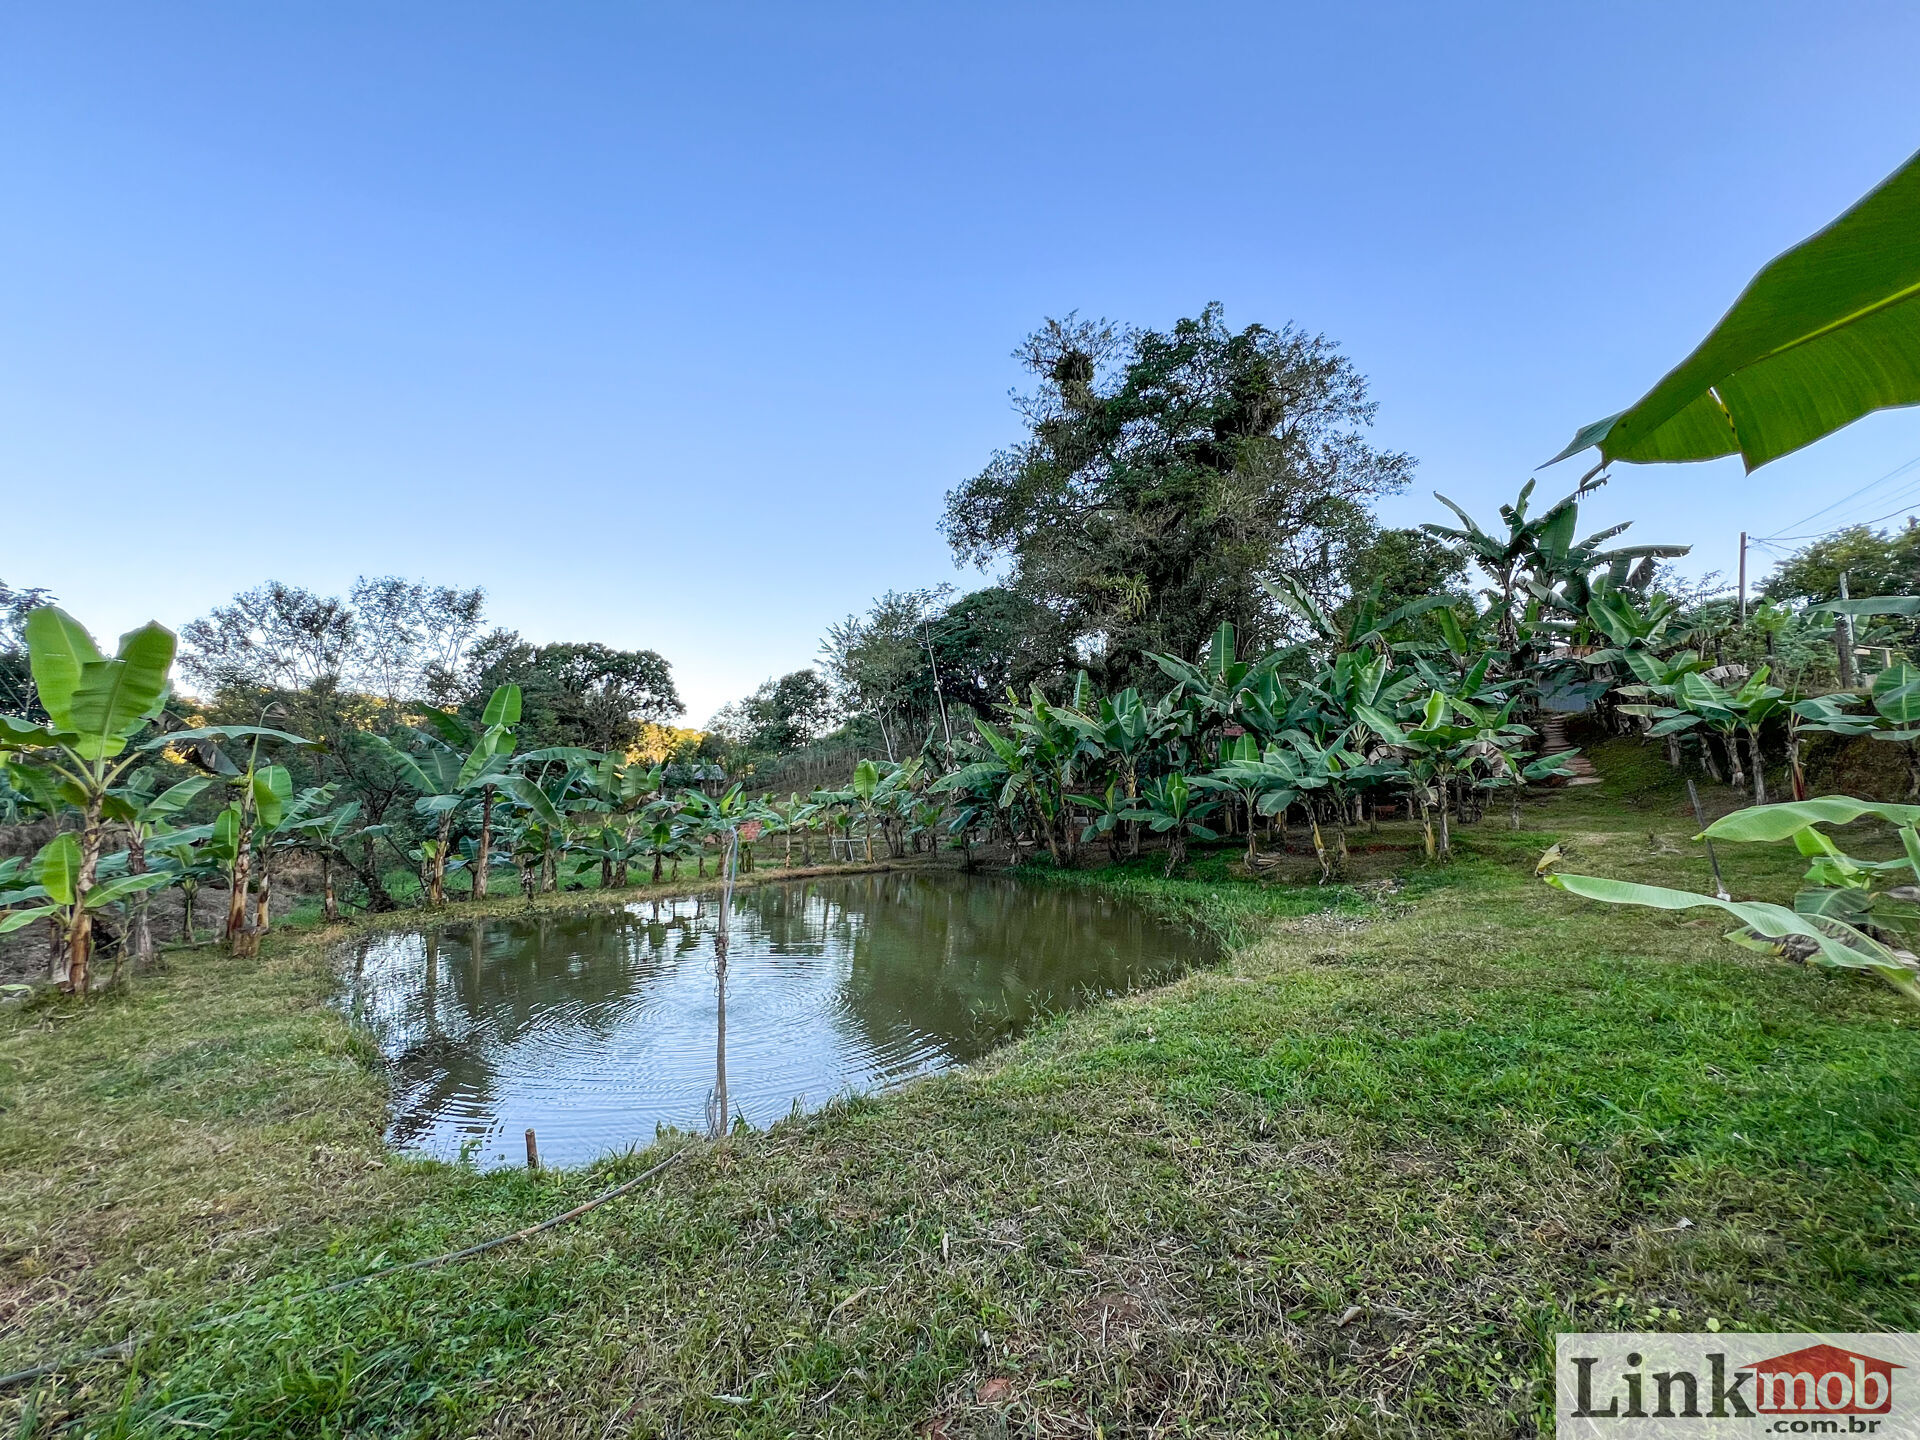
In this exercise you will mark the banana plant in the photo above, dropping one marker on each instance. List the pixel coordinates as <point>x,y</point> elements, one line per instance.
<point>791,817</point>
<point>1265,783</point>
<point>1168,807</point>
<point>308,827</point>
<point>94,706</point>
<point>1106,817</point>
<point>1734,715</point>
<point>57,893</point>
<point>543,835</point>
<point>1053,742</point>
<point>1538,560</point>
<point>1216,680</point>
<point>1366,628</point>
<point>1452,742</point>
<point>485,760</point>
<point>144,811</point>
<point>1633,622</point>
<point>448,771</point>
<point>1839,919</point>
<point>190,862</point>
<point>1002,776</point>
<point>865,785</point>
<point>722,816</point>
<point>1895,697</point>
<point>619,791</point>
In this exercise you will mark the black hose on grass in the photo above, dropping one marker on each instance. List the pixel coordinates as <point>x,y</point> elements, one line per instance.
<point>126,1347</point>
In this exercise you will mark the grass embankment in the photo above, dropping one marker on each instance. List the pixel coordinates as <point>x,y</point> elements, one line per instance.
<point>1350,1181</point>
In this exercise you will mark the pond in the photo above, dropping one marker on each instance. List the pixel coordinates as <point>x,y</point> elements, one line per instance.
<point>596,1029</point>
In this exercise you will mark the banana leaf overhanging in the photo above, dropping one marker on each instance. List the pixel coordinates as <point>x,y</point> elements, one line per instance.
<point>1824,334</point>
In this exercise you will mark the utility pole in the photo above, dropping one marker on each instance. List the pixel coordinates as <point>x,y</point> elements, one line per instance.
<point>1743,577</point>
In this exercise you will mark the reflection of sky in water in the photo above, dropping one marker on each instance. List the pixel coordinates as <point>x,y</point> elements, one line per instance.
<point>595,1029</point>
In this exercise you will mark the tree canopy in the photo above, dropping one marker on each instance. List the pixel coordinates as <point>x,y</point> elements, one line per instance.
<point>1164,472</point>
<point>584,694</point>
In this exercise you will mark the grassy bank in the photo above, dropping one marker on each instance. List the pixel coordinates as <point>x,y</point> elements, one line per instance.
<point>1351,1181</point>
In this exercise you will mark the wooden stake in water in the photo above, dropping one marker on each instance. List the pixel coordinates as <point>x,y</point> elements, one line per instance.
<point>533,1150</point>
<point>1700,818</point>
<point>717,1106</point>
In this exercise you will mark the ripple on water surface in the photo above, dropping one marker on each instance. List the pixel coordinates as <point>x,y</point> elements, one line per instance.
<point>595,1029</point>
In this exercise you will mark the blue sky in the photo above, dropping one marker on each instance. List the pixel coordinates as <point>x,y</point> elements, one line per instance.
<point>672,325</point>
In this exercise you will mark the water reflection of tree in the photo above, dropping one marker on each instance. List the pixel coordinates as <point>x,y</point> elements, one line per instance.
<point>965,963</point>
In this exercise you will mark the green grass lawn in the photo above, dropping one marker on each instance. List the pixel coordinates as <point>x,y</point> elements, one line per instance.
<point>1350,1181</point>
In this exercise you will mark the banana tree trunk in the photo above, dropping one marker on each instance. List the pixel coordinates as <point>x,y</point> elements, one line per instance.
<point>1759,768</point>
<point>329,903</point>
<point>1176,852</point>
<point>241,939</point>
<point>80,933</point>
<point>140,939</point>
<point>263,901</point>
<point>483,850</point>
<point>1708,758</point>
<point>437,888</point>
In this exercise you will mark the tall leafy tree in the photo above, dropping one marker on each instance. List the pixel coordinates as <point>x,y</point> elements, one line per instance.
<point>1163,472</point>
<point>585,694</point>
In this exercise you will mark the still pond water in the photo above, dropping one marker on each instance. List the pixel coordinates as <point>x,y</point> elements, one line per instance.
<point>596,1029</point>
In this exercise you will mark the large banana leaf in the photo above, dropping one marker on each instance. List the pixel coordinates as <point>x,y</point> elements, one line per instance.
<point>1896,693</point>
<point>18,734</point>
<point>534,798</point>
<point>176,798</point>
<point>221,732</point>
<point>503,707</point>
<point>1869,605</point>
<point>18,919</point>
<point>225,841</point>
<point>272,791</point>
<point>121,886</point>
<point>57,868</point>
<point>1761,823</point>
<point>58,650</point>
<point>1837,943</point>
<point>1824,334</point>
<point>115,696</point>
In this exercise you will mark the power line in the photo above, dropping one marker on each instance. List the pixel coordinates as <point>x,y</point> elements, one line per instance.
<point>1844,499</point>
<point>1850,525</point>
